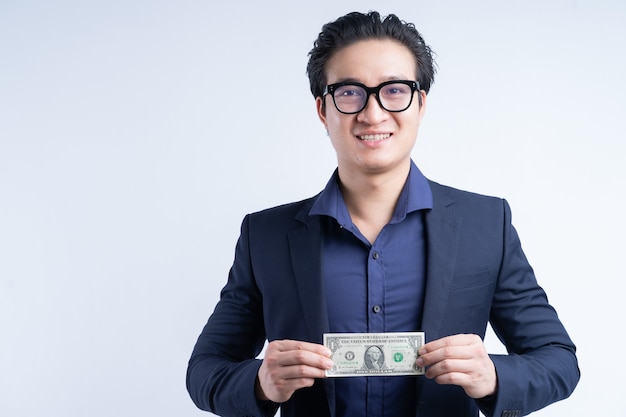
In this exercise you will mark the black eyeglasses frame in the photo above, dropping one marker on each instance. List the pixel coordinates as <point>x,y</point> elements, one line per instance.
<point>330,89</point>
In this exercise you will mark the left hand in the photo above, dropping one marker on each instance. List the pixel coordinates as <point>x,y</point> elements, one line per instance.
<point>460,360</point>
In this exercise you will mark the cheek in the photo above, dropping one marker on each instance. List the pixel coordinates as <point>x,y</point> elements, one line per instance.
<point>333,119</point>
<point>336,141</point>
<point>411,120</point>
<point>337,124</point>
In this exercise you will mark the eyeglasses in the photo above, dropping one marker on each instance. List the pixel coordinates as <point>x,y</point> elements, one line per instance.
<point>393,96</point>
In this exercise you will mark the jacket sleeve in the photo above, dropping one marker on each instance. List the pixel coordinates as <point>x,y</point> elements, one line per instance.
<point>541,365</point>
<point>222,370</point>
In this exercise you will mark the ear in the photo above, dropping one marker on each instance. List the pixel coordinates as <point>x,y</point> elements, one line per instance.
<point>321,110</point>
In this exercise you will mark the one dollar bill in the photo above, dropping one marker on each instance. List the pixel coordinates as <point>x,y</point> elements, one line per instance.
<point>374,354</point>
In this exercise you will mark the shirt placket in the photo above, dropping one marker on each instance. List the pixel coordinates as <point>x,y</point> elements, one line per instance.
<point>376,321</point>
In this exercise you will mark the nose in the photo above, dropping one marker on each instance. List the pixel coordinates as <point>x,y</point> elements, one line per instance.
<point>373,113</point>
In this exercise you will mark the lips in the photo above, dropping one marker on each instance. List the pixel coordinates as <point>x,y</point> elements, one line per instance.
<point>374,138</point>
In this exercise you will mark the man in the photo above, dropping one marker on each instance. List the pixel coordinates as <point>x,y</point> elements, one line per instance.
<point>374,358</point>
<point>380,249</point>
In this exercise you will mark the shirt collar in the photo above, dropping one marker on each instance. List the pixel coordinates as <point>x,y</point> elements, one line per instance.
<point>416,195</point>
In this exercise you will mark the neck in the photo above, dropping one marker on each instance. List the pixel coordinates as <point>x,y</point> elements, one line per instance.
<point>371,199</point>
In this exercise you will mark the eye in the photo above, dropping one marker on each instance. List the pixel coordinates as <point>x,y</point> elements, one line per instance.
<point>349,91</point>
<point>395,89</point>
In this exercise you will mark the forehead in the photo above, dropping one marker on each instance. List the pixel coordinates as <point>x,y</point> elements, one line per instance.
<point>371,62</point>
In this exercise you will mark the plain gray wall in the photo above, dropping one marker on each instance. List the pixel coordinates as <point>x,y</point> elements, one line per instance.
<point>135,135</point>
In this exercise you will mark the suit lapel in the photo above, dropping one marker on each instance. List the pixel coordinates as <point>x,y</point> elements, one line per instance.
<point>442,236</point>
<point>305,243</point>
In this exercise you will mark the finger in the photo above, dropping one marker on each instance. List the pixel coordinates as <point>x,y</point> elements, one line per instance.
<point>454,378</point>
<point>447,353</point>
<point>450,366</point>
<point>296,372</point>
<point>289,345</point>
<point>290,352</point>
<point>452,347</point>
<point>454,340</point>
<point>478,380</point>
<point>279,384</point>
<point>290,365</point>
<point>303,358</point>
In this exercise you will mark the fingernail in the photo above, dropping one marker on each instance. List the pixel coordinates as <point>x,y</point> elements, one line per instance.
<point>419,362</point>
<point>329,364</point>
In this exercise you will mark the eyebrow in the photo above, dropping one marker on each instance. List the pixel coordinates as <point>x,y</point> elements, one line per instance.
<point>355,80</point>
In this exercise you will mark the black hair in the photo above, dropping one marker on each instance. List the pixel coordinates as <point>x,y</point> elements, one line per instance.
<point>357,26</point>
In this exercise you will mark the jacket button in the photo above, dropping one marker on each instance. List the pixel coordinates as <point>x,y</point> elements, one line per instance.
<point>376,308</point>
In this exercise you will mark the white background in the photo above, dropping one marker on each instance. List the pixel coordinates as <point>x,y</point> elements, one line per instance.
<point>135,135</point>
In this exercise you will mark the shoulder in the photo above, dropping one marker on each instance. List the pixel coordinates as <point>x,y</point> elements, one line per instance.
<point>446,195</point>
<point>476,208</point>
<point>284,215</point>
<point>284,210</point>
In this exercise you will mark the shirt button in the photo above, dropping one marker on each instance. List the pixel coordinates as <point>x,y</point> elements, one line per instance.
<point>376,308</point>
<point>375,255</point>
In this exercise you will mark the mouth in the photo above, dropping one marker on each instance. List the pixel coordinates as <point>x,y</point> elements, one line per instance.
<point>374,138</point>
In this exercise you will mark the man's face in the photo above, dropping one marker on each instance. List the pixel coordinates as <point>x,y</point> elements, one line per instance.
<point>374,354</point>
<point>374,140</point>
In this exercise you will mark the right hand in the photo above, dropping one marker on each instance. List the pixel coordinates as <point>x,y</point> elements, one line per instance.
<point>288,366</point>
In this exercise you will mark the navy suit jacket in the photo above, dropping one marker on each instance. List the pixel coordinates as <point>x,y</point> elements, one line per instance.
<point>476,273</point>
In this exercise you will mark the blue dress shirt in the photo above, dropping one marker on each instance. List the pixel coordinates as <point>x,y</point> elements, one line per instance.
<point>375,287</point>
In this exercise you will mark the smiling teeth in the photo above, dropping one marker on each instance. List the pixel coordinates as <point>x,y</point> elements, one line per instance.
<point>374,138</point>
